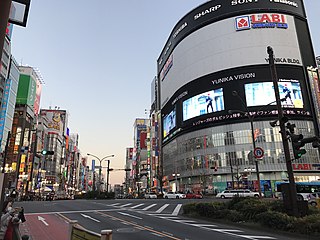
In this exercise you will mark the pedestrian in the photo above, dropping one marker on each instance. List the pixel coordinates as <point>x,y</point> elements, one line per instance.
<point>7,217</point>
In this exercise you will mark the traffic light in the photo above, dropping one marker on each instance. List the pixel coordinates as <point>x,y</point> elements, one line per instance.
<point>297,144</point>
<point>45,152</point>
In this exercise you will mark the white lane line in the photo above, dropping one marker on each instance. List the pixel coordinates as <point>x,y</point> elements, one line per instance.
<point>114,204</point>
<point>162,208</point>
<point>229,230</point>
<point>146,208</point>
<point>257,237</point>
<point>129,215</point>
<point>183,221</point>
<point>203,225</point>
<point>137,205</point>
<point>89,217</point>
<point>125,205</point>
<point>176,210</point>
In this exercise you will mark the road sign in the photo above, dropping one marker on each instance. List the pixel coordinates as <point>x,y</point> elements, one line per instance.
<point>258,152</point>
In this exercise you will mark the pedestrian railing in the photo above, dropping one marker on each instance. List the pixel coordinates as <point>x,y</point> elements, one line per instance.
<point>77,232</point>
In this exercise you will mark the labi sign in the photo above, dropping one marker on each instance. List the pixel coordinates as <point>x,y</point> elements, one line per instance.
<point>266,20</point>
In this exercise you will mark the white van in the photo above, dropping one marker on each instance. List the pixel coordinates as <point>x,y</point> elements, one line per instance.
<point>238,193</point>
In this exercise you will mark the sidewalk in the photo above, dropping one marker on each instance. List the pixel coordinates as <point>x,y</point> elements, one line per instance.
<point>44,227</point>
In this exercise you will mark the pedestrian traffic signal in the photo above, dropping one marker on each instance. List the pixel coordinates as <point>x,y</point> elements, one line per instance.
<point>45,152</point>
<point>297,144</point>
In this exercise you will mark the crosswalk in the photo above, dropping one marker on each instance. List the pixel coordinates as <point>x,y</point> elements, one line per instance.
<point>170,209</point>
<point>170,212</point>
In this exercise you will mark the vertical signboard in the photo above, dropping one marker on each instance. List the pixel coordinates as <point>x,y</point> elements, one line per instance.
<point>4,106</point>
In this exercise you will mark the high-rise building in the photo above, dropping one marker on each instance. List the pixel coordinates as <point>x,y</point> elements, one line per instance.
<point>214,78</point>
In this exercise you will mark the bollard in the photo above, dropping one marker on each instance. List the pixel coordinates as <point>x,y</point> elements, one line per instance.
<point>106,234</point>
<point>72,223</point>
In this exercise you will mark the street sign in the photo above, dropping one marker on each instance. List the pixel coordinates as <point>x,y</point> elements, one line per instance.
<point>258,152</point>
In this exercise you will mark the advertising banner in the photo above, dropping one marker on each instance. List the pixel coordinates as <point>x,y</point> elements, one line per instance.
<point>56,120</point>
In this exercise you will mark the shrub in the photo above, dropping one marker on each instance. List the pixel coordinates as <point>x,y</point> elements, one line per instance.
<point>276,206</point>
<point>308,225</point>
<point>249,207</point>
<point>234,216</point>
<point>209,209</point>
<point>276,220</point>
<point>189,208</point>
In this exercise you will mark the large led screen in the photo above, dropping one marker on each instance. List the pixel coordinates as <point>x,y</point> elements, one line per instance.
<point>262,93</point>
<point>169,122</point>
<point>204,103</point>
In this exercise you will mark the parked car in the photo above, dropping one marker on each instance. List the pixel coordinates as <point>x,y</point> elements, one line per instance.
<point>174,195</point>
<point>313,198</point>
<point>150,195</point>
<point>238,193</point>
<point>194,195</point>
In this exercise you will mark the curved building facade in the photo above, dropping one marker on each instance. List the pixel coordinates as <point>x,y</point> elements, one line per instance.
<point>214,78</point>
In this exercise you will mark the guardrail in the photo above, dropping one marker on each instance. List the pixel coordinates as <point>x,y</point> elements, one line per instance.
<point>77,232</point>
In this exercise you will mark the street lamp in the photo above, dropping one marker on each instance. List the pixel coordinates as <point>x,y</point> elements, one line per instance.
<point>235,93</point>
<point>100,160</point>
<point>251,118</point>
<point>176,175</point>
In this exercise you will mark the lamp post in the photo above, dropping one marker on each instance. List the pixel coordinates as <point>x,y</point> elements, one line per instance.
<point>176,175</point>
<point>100,161</point>
<point>252,137</point>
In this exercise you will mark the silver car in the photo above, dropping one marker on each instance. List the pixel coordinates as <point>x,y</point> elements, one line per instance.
<point>174,195</point>
<point>150,195</point>
<point>314,199</point>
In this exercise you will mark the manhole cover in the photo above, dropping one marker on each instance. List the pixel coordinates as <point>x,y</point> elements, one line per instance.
<point>127,230</point>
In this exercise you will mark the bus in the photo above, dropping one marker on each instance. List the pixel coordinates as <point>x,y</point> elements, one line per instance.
<point>303,189</point>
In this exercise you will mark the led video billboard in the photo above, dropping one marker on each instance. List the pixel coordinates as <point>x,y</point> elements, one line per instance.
<point>204,103</point>
<point>262,93</point>
<point>169,122</point>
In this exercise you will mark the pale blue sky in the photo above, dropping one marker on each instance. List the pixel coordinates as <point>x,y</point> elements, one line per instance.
<point>98,59</point>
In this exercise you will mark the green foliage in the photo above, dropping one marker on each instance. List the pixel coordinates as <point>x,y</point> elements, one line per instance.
<point>276,220</point>
<point>267,213</point>
<point>248,207</point>
<point>189,208</point>
<point>308,224</point>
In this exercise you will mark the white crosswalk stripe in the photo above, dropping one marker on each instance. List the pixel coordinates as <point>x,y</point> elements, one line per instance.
<point>150,206</point>
<point>176,210</point>
<point>162,208</point>
<point>141,204</point>
<point>125,205</point>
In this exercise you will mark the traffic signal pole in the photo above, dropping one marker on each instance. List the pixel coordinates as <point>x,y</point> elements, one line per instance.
<point>292,185</point>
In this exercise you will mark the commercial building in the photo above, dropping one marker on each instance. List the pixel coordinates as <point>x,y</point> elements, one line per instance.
<point>214,78</point>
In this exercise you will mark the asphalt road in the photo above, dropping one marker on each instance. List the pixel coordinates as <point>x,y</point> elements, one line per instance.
<point>132,219</point>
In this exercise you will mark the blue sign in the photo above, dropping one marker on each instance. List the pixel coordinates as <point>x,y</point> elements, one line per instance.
<point>93,164</point>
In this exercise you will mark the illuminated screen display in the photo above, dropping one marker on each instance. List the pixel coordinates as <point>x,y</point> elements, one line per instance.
<point>169,122</point>
<point>204,103</point>
<point>262,93</point>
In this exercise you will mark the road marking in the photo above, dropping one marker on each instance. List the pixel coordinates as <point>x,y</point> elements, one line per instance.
<point>43,220</point>
<point>176,210</point>
<point>168,235</point>
<point>87,216</point>
<point>146,208</point>
<point>162,208</point>
<point>257,237</point>
<point>125,205</point>
<point>203,225</point>
<point>114,204</point>
<point>129,215</point>
<point>137,205</point>
<point>183,221</point>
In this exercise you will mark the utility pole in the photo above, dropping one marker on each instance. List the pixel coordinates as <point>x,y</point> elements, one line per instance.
<point>292,186</point>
